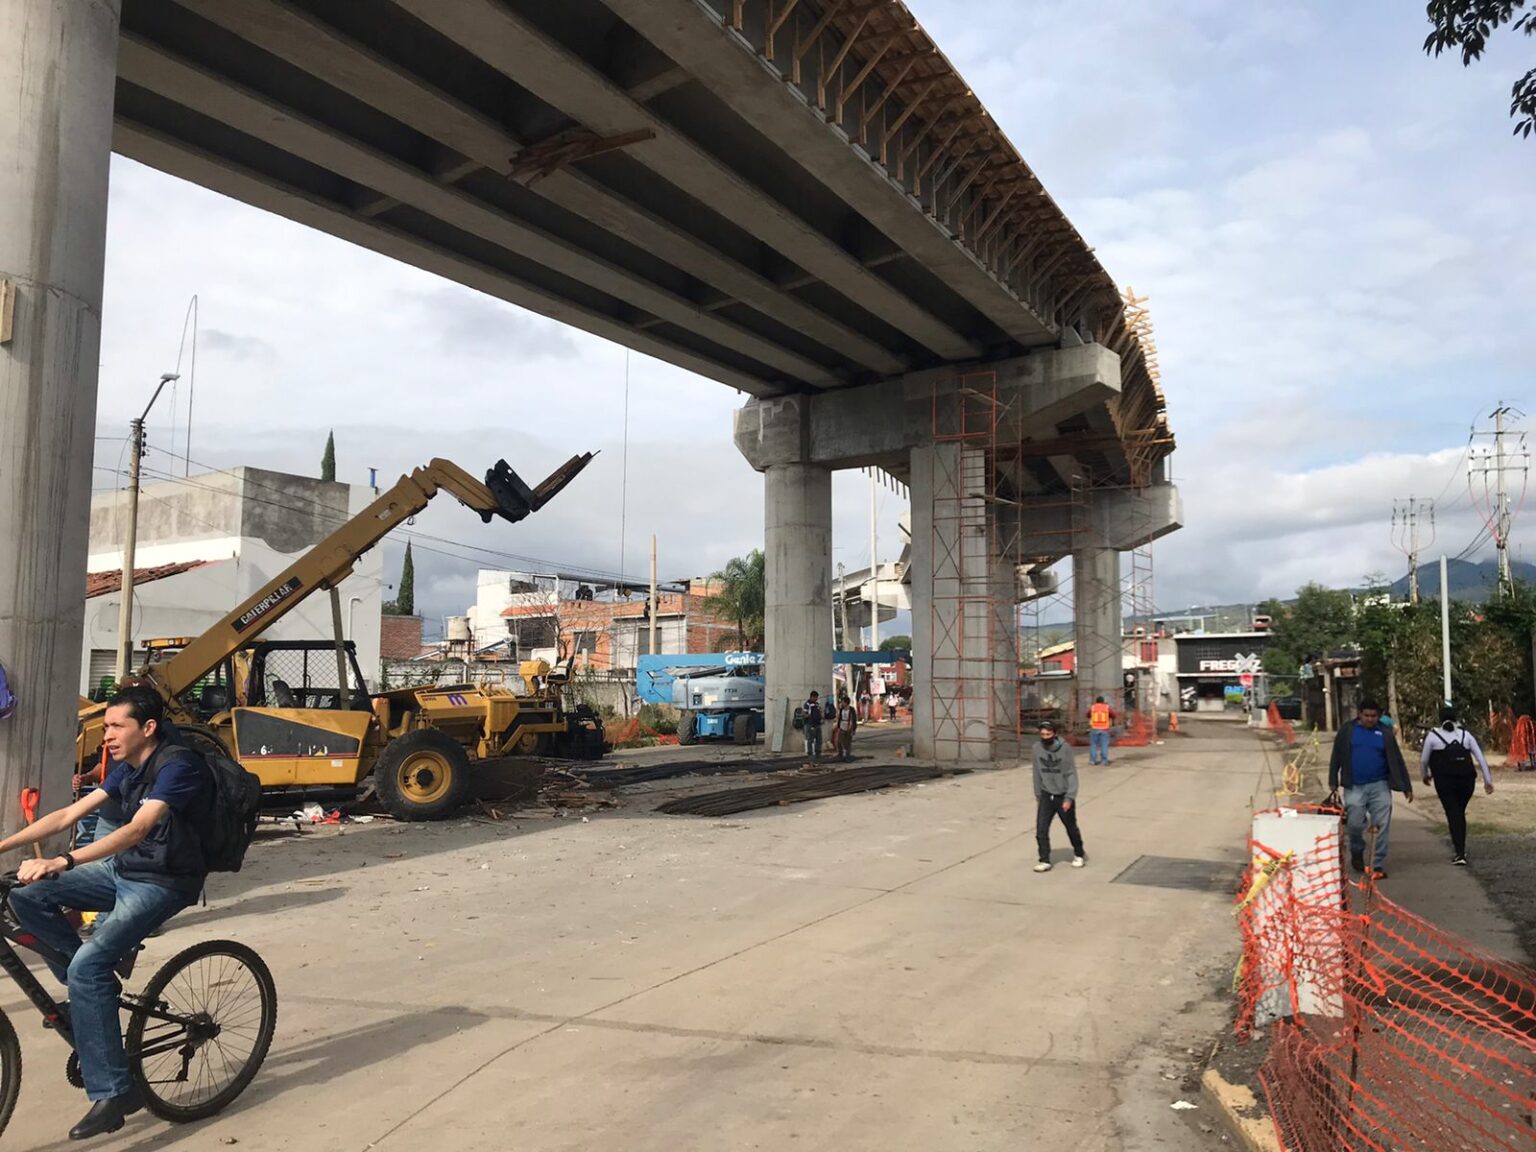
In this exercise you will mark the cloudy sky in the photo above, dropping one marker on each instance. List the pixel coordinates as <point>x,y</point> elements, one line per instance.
<point>1333,230</point>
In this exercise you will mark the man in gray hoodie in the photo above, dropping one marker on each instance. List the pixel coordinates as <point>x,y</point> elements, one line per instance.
<point>1055,795</point>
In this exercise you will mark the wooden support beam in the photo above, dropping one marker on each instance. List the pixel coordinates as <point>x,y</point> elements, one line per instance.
<point>774,24</point>
<point>837,61</point>
<point>890,88</point>
<point>881,47</point>
<point>906,153</point>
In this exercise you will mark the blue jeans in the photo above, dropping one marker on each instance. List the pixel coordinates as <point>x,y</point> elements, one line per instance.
<point>1098,746</point>
<point>137,910</point>
<point>1364,805</point>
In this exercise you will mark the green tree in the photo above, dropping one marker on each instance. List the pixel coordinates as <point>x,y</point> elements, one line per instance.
<point>1465,25</point>
<point>404,603</point>
<point>1317,622</point>
<point>740,596</point>
<point>328,461</point>
<point>892,643</point>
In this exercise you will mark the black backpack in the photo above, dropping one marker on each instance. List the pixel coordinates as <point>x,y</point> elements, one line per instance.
<point>232,812</point>
<point>1451,758</point>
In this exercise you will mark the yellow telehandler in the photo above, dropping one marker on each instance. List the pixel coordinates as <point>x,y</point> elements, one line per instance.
<point>232,693</point>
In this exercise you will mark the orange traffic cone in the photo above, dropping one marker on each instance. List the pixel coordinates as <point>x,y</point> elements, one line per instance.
<point>1173,721</point>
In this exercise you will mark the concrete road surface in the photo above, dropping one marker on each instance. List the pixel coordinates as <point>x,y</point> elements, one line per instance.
<point>867,972</point>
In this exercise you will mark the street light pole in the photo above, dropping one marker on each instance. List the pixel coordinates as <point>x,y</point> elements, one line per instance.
<point>131,537</point>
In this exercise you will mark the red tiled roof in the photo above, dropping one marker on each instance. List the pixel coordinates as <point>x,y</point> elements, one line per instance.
<point>105,583</point>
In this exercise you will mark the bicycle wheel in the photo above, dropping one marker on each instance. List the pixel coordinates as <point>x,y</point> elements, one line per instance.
<point>10,1069</point>
<point>200,1029</point>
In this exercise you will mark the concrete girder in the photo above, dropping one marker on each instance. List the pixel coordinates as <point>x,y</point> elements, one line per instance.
<point>293,35</point>
<point>880,423</point>
<point>157,70</point>
<point>760,94</point>
<point>148,146</point>
<point>505,40</point>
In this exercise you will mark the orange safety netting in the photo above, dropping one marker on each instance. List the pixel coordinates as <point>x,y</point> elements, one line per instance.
<point>1284,727</point>
<point>1140,730</point>
<point>1385,1031</point>
<point>619,733</point>
<point>1522,746</point>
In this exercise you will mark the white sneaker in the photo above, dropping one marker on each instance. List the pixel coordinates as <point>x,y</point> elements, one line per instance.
<point>1079,861</point>
<point>1043,866</point>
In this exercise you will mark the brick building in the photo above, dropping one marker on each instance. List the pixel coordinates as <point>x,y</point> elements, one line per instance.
<point>611,634</point>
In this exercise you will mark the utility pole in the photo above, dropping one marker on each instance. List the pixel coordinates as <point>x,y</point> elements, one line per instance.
<point>1494,466</point>
<point>1445,631</point>
<point>653,596</point>
<point>842,602</point>
<point>1408,516</point>
<point>874,569</point>
<point>131,536</point>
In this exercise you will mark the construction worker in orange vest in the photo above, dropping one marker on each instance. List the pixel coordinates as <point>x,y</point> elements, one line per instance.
<point>1101,717</point>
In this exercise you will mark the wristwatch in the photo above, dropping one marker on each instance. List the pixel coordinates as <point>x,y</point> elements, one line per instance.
<point>69,861</point>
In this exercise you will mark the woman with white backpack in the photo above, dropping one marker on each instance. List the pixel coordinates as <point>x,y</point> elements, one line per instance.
<point>1451,761</point>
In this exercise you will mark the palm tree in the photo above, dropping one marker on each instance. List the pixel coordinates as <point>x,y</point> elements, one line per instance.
<point>740,595</point>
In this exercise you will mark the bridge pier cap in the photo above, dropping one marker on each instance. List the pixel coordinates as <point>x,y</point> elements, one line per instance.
<point>881,423</point>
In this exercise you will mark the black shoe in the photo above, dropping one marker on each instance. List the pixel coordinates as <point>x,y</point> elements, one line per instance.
<point>1459,860</point>
<point>1357,863</point>
<point>107,1115</point>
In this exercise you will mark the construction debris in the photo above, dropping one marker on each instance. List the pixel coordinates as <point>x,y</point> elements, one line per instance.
<point>797,789</point>
<point>616,776</point>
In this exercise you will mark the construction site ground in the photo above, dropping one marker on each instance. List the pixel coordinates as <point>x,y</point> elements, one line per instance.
<point>877,971</point>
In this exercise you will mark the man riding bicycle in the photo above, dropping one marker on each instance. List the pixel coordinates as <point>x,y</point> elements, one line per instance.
<point>143,873</point>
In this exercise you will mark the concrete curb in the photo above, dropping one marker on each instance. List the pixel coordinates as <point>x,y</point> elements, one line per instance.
<point>1239,1110</point>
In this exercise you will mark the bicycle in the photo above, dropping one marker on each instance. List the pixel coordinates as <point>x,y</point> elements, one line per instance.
<point>197,1033</point>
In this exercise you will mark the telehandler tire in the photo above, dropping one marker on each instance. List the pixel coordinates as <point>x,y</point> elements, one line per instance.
<point>688,729</point>
<point>742,729</point>
<point>422,775</point>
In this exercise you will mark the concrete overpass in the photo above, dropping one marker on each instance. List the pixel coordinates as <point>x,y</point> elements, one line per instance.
<point>801,199</point>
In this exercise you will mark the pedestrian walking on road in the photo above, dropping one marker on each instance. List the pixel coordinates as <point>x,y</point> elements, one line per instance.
<point>846,724</point>
<point>1055,796</point>
<point>1101,718</point>
<point>1451,760</point>
<point>811,719</point>
<point>1368,764</point>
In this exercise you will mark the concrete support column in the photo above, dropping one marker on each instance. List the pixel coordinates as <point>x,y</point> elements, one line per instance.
<point>798,608</point>
<point>58,65</point>
<point>1096,619</point>
<point>964,647</point>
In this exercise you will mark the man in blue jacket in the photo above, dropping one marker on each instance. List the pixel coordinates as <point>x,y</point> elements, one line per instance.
<point>143,873</point>
<point>1368,764</point>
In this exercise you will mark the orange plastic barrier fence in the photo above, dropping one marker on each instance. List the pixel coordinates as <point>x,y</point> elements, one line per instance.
<point>619,732</point>
<point>1279,724</point>
<point>1392,1033</point>
<point>1522,746</point>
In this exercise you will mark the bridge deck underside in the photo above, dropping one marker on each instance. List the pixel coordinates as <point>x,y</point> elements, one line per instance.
<point>805,200</point>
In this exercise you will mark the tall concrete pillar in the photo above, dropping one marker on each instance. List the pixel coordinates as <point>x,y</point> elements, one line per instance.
<point>58,64</point>
<point>1096,620</point>
<point>798,571</point>
<point>964,651</point>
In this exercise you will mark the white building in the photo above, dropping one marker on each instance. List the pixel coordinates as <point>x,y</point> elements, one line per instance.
<point>210,541</point>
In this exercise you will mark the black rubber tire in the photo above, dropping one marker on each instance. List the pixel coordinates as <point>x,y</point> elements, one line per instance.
<point>398,800</point>
<point>10,1069</point>
<point>742,729</point>
<point>688,729</point>
<point>133,1040</point>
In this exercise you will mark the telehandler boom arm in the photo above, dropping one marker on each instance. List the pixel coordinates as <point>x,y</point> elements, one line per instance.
<point>329,562</point>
